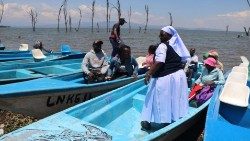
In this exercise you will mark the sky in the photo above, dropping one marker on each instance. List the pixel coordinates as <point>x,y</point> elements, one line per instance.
<point>211,14</point>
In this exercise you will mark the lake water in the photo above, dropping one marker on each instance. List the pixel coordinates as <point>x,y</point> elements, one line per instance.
<point>230,47</point>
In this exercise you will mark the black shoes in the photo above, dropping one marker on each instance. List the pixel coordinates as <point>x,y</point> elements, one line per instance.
<point>145,126</point>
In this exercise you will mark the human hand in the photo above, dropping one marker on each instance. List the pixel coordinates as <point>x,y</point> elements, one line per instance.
<point>134,76</point>
<point>108,78</point>
<point>90,75</point>
<point>209,83</point>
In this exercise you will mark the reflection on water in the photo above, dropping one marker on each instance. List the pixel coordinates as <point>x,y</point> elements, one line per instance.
<point>229,46</point>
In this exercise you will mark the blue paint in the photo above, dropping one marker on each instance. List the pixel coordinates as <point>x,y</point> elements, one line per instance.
<point>226,122</point>
<point>115,114</point>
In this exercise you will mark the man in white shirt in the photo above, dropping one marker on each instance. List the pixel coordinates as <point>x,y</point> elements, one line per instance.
<point>95,63</point>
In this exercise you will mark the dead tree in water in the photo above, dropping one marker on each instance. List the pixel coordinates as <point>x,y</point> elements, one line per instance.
<point>65,13</point>
<point>118,8</point>
<point>58,18</point>
<point>129,18</point>
<point>70,23</point>
<point>171,19</point>
<point>227,27</point>
<point>147,10</point>
<point>247,32</point>
<point>79,22</point>
<point>98,28</point>
<point>139,29</point>
<point>110,10</point>
<point>107,15</point>
<point>93,15</point>
<point>1,10</point>
<point>33,16</point>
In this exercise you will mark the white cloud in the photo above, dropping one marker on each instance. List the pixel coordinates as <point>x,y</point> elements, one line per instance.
<point>235,20</point>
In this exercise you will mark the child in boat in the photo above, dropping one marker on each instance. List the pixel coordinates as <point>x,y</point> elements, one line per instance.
<point>149,60</point>
<point>95,63</point>
<point>123,64</point>
<point>205,84</point>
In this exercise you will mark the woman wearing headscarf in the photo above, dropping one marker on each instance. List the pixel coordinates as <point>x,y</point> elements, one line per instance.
<point>167,96</point>
<point>214,54</point>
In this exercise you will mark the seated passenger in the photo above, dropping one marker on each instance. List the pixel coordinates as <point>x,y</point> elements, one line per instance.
<point>192,65</point>
<point>123,64</point>
<point>95,64</point>
<point>205,84</point>
<point>214,54</point>
<point>149,60</point>
<point>39,45</point>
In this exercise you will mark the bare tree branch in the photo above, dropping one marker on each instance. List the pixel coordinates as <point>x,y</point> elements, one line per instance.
<point>65,13</point>
<point>247,32</point>
<point>70,23</point>
<point>107,15</point>
<point>171,19</point>
<point>93,15</point>
<point>33,16</point>
<point>110,10</point>
<point>147,10</point>
<point>248,3</point>
<point>98,28</point>
<point>58,18</point>
<point>129,18</point>
<point>1,10</point>
<point>118,8</point>
<point>227,27</point>
<point>79,22</point>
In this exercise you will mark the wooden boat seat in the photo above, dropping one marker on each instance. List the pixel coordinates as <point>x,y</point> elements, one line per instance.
<point>38,54</point>
<point>240,69</point>
<point>235,94</point>
<point>237,77</point>
<point>140,60</point>
<point>244,60</point>
<point>24,47</point>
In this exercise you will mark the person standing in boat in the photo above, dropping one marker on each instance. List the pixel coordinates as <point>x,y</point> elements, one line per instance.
<point>167,96</point>
<point>39,45</point>
<point>95,63</point>
<point>123,64</point>
<point>115,38</point>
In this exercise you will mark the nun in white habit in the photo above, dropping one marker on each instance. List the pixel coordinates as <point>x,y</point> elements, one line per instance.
<point>167,96</point>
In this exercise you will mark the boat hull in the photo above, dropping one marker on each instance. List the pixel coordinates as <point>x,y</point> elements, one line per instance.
<point>41,103</point>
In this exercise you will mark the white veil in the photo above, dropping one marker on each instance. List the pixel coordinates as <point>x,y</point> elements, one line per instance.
<point>176,43</point>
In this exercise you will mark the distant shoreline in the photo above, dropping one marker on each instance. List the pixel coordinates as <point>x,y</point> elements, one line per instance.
<point>2,26</point>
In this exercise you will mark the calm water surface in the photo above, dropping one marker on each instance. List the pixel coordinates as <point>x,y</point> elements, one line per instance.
<point>229,47</point>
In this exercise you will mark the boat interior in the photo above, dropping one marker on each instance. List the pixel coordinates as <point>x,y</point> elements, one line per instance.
<point>40,71</point>
<point>119,113</point>
<point>232,108</point>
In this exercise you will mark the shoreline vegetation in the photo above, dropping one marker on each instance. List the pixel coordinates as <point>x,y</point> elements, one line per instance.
<point>12,121</point>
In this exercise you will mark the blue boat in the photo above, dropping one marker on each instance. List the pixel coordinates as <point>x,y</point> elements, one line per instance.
<point>30,63</point>
<point>112,116</point>
<point>45,96</point>
<point>229,111</point>
<point>18,75</point>
<point>2,47</point>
